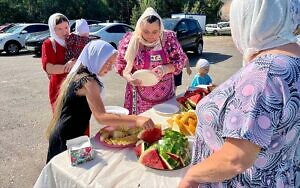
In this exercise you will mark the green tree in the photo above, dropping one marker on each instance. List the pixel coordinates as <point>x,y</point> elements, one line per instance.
<point>136,13</point>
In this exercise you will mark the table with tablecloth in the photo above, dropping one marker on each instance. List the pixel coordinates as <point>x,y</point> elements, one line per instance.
<point>111,167</point>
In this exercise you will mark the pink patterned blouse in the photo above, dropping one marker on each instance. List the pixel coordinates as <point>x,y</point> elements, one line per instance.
<point>142,98</point>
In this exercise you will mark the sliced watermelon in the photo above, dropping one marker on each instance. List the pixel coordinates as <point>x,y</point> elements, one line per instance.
<point>169,161</point>
<point>152,159</point>
<point>140,147</point>
<point>150,136</point>
<point>177,158</point>
<point>194,99</point>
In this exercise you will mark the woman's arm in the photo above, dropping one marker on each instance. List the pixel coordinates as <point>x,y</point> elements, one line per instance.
<point>92,93</point>
<point>174,51</point>
<point>60,69</point>
<point>49,56</point>
<point>235,156</point>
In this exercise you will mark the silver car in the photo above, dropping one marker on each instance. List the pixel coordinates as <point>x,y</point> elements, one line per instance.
<point>13,40</point>
<point>221,28</point>
<point>110,32</point>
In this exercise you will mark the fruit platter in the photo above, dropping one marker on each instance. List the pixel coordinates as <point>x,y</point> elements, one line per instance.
<point>163,150</point>
<point>190,98</point>
<point>118,137</point>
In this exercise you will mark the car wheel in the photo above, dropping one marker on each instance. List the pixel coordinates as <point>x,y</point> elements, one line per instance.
<point>199,48</point>
<point>12,48</point>
<point>216,33</point>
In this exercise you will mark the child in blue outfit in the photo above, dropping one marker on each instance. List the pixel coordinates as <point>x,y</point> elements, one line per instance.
<point>202,77</point>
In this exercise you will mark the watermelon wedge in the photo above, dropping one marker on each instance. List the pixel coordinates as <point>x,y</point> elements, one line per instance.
<point>194,99</point>
<point>150,136</point>
<point>152,159</point>
<point>140,147</point>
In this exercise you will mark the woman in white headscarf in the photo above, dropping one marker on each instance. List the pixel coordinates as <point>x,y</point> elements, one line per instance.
<point>53,54</point>
<point>152,48</point>
<point>80,96</point>
<point>248,127</point>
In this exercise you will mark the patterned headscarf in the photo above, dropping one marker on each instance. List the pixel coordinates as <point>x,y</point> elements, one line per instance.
<point>257,25</point>
<point>52,24</point>
<point>137,38</point>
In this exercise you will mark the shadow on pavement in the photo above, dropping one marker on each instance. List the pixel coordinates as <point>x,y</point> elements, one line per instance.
<point>21,53</point>
<point>214,58</point>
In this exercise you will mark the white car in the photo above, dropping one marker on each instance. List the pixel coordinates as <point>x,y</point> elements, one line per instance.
<point>210,28</point>
<point>221,28</point>
<point>110,32</point>
<point>13,40</point>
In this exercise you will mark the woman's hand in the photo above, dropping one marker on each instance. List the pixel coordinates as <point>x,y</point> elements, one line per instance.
<point>188,70</point>
<point>159,71</point>
<point>131,80</point>
<point>162,70</point>
<point>68,66</point>
<point>144,122</point>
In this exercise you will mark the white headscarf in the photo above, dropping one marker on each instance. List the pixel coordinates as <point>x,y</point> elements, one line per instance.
<point>81,26</point>
<point>94,55</point>
<point>137,38</point>
<point>52,24</point>
<point>257,25</point>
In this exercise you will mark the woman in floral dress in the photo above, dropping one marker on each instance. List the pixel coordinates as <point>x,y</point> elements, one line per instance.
<point>149,47</point>
<point>249,127</point>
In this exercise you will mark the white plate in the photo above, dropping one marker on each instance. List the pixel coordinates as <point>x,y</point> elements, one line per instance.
<point>202,86</point>
<point>166,109</point>
<point>116,110</point>
<point>147,77</point>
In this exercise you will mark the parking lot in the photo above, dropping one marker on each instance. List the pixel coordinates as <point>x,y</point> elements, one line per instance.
<point>25,110</point>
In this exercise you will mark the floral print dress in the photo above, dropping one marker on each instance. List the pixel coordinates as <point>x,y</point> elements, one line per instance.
<point>140,99</point>
<point>260,103</point>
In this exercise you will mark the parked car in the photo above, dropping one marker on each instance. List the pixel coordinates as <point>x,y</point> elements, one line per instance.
<point>211,28</point>
<point>34,41</point>
<point>5,27</point>
<point>13,40</point>
<point>189,33</point>
<point>221,28</point>
<point>110,32</point>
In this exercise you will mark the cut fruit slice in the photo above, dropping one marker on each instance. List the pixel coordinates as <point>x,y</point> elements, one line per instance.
<point>150,136</point>
<point>140,147</point>
<point>152,159</point>
<point>194,99</point>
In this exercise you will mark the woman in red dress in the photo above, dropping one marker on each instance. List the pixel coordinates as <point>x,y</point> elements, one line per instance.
<point>53,54</point>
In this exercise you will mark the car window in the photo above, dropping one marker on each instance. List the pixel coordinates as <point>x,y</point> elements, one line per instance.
<point>193,25</point>
<point>128,29</point>
<point>182,26</point>
<point>116,29</point>
<point>36,28</point>
<point>94,28</point>
<point>15,29</point>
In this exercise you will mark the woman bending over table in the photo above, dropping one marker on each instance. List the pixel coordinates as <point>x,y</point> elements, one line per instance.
<point>81,95</point>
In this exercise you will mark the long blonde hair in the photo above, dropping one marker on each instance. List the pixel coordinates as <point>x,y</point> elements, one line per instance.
<point>93,56</point>
<point>59,103</point>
